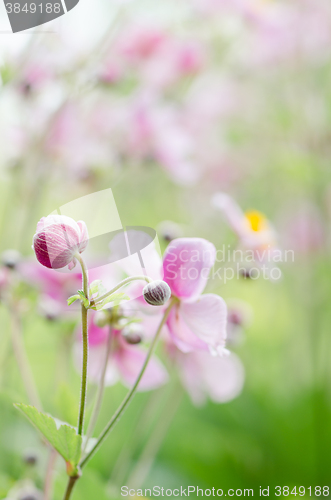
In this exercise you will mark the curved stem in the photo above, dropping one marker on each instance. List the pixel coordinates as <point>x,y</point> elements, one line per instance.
<point>100,394</point>
<point>129,396</point>
<point>117,287</point>
<point>84,274</point>
<point>85,348</point>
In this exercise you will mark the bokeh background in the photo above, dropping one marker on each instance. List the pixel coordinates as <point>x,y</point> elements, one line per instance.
<point>167,103</point>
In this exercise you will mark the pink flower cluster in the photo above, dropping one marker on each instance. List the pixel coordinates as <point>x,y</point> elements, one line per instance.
<point>195,329</point>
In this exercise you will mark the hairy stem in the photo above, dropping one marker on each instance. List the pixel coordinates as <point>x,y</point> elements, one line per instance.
<point>85,348</point>
<point>131,393</point>
<point>117,287</point>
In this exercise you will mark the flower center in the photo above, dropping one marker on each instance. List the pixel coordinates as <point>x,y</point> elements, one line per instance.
<point>257,221</point>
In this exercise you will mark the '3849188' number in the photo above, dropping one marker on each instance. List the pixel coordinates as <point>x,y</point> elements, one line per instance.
<point>32,8</point>
<point>318,491</point>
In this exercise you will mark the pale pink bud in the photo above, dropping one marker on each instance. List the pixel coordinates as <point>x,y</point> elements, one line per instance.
<point>58,239</point>
<point>157,293</point>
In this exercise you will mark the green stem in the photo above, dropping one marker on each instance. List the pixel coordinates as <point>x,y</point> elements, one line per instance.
<point>71,484</point>
<point>130,395</point>
<point>101,388</point>
<point>117,287</point>
<point>85,348</point>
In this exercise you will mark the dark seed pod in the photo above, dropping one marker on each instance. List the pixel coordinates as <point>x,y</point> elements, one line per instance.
<point>133,333</point>
<point>157,293</point>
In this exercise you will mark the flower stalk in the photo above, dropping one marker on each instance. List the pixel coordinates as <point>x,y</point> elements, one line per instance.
<point>131,393</point>
<point>126,281</point>
<point>85,347</point>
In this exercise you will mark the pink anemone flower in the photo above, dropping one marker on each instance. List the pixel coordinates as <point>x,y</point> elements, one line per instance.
<point>253,229</point>
<point>196,322</point>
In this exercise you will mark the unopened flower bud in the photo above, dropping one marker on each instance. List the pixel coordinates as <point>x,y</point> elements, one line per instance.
<point>133,333</point>
<point>101,319</point>
<point>10,258</point>
<point>157,293</point>
<point>58,239</point>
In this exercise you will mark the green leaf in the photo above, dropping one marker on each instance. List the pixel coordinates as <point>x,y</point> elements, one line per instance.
<point>115,297</point>
<point>73,299</point>
<point>98,288</point>
<point>83,298</point>
<point>94,286</point>
<point>63,437</point>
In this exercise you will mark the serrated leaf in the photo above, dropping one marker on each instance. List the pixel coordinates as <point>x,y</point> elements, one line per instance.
<point>63,437</point>
<point>73,299</point>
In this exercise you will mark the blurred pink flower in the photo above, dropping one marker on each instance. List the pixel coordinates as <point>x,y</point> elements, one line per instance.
<point>141,41</point>
<point>173,60</point>
<point>125,360</point>
<point>303,228</point>
<point>279,34</point>
<point>219,378</point>
<point>55,287</point>
<point>157,131</point>
<point>58,239</point>
<point>252,228</point>
<point>196,322</point>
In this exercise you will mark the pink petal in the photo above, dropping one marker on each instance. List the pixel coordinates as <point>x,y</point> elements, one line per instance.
<point>72,265</point>
<point>186,265</point>
<point>96,334</point>
<point>220,378</point>
<point>181,334</point>
<point>223,377</point>
<point>83,238</point>
<point>130,360</point>
<point>207,318</point>
<point>233,213</point>
<point>199,325</point>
